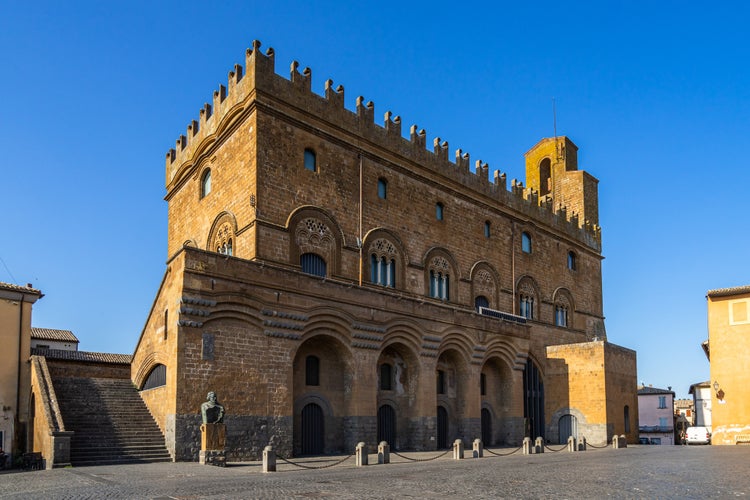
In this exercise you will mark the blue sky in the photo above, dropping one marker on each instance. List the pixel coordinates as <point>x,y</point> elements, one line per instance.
<point>655,94</point>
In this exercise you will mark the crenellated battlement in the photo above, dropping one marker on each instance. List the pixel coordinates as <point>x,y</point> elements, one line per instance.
<point>256,85</point>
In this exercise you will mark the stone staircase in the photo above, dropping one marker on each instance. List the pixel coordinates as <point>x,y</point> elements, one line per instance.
<point>111,422</point>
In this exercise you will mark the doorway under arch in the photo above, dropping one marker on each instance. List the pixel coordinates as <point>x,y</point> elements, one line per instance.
<point>442,428</point>
<point>313,430</point>
<point>486,427</point>
<point>387,425</point>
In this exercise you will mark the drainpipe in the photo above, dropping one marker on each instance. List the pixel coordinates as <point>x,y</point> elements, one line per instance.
<point>16,416</point>
<point>513,264</point>
<point>359,239</point>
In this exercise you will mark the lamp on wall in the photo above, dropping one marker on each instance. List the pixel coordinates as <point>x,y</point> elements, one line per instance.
<point>719,392</point>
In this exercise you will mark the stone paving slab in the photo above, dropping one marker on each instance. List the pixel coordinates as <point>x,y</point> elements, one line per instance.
<point>633,472</point>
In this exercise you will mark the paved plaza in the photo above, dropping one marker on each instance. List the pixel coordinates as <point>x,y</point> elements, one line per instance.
<point>634,472</point>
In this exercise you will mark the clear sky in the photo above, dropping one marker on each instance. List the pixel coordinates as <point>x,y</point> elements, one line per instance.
<point>655,94</point>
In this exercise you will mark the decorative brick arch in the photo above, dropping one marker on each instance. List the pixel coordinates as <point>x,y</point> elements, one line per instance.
<point>440,262</point>
<point>222,233</point>
<point>485,282</point>
<point>384,245</point>
<point>312,230</point>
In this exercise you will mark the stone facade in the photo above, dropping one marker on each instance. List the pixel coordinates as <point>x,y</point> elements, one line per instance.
<point>335,282</point>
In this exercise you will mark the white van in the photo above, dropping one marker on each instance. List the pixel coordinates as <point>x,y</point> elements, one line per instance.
<point>698,435</point>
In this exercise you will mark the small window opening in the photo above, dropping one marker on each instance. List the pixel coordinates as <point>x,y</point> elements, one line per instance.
<point>571,261</point>
<point>310,160</point>
<point>486,229</point>
<point>483,384</point>
<point>439,211</point>
<point>382,189</point>
<point>312,370</point>
<point>206,183</point>
<point>526,242</point>
<point>440,382</point>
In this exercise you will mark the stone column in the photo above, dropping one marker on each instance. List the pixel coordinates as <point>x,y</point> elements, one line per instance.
<point>361,454</point>
<point>269,459</point>
<point>571,443</point>
<point>477,448</point>
<point>458,449</point>
<point>384,453</point>
<point>539,445</point>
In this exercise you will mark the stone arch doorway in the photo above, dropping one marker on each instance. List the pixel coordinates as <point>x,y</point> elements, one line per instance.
<point>451,379</point>
<point>398,388</point>
<point>312,430</point>
<point>567,426</point>
<point>322,387</point>
<point>442,428</point>
<point>387,424</point>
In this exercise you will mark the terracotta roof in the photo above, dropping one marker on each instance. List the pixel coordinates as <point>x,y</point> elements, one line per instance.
<point>52,334</point>
<point>19,288</point>
<point>722,292</point>
<point>654,390</point>
<point>96,357</point>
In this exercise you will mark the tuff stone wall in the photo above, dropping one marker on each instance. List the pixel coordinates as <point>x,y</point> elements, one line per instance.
<point>245,324</point>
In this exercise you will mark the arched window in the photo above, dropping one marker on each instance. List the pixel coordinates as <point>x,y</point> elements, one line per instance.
<point>313,264</point>
<point>386,377</point>
<point>439,211</point>
<point>561,315</point>
<point>382,188</point>
<point>526,306</point>
<point>544,176</point>
<point>312,370</point>
<point>440,285</point>
<point>481,301</point>
<point>487,229</point>
<point>310,160</point>
<point>225,247</point>
<point>572,260</point>
<point>383,271</point>
<point>206,182</point>
<point>439,278</point>
<point>526,242</point>
<point>157,377</point>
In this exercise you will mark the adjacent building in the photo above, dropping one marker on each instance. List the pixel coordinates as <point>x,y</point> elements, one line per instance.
<point>701,393</point>
<point>334,282</point>
<point>727,348</point>
<point>656,415</point>
<point>15,337</point>
<point>50,338</point>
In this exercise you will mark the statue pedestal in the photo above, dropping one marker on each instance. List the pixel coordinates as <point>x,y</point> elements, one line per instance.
<point>213,445</point>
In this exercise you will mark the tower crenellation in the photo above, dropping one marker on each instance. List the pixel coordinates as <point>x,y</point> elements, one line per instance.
<point>259,74</point>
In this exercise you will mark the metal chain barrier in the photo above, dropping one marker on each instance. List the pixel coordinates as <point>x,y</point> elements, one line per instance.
<point>503,454</point>
<point>564,447</point>
<point>597,447</point>
<point>298,464</point>
<point>420,459</point>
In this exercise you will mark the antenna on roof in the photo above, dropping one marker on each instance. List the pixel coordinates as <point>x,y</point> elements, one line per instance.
<point>554,128</point>
<point>554,118</point>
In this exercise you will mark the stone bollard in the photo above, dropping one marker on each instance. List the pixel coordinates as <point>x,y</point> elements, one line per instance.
<point>361,453</point>
<point>615,442</point>
<point>527,446</point>
<point>458,449</point>
<point>571,443</point>
<point>477,449</point>
<point>623,441</point>
<point>582,444</point>
<point>269,459</point>
<point>384,453</point>
<point>539,445</point>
